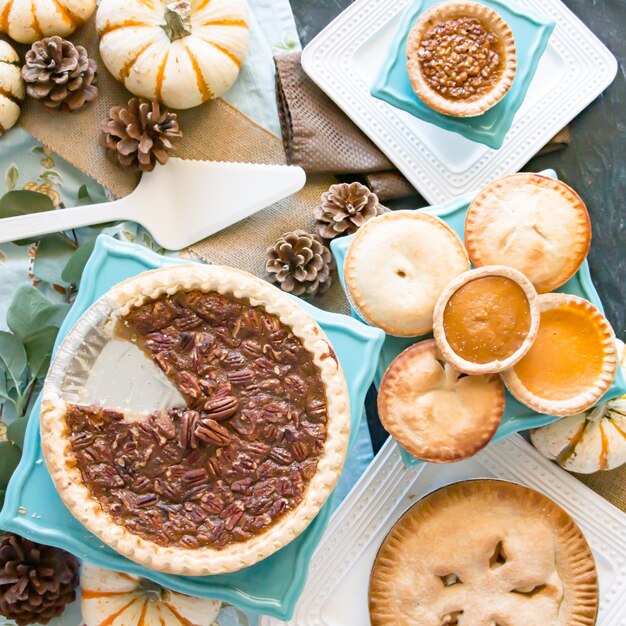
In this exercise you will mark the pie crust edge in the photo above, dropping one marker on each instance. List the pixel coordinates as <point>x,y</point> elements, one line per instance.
<point>578,573</point>
<point>62,467</point>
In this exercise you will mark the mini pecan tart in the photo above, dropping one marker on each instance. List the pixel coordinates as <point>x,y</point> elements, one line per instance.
<point>486,319</point>
<point>461,58</point>
<point>485,552</point>
<point>572,362</point>
<point>245,465</point>
<point>435,412</point>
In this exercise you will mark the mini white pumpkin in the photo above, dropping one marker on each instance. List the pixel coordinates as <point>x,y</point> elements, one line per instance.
<point>11,86</point>
<point>27,21</point>
<point>180,53</point>
<point>117,599</point>
<point>588,442</point>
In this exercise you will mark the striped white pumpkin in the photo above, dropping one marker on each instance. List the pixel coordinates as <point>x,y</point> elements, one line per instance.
<point>179,53</point>
<point>113,599</point>
<point>11,86</point>
<point>27,21</point>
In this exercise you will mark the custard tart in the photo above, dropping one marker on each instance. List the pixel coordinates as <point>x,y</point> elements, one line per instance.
<point>461,58</point>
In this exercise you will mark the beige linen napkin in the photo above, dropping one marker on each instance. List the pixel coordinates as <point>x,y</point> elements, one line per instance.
<point>320,137</point>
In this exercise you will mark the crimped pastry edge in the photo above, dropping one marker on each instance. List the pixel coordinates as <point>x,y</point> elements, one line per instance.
<point>60,460</point>
<point>579,572</point>
<point>429,96</point>
<point>580,245</point>
<point>586,399</point>
<point>424,451</point>
<point>468,367</point>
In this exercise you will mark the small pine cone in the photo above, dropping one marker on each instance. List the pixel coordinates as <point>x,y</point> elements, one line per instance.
<point>60,74</point>
<point>36,582</point>
<point>345,208</point>
<point>300,264</point>
<point>139,134</point>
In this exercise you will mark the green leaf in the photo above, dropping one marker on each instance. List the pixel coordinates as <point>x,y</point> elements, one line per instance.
<point>74,269</point>
<point>88,195</point>
<point>16,431</point>
<point>4,392</point>
<point>53,315</point>
<point>22,202</point>
<point>2,494</point>
<point>11,176</point>
<point>53,254</point>
<point>9,458</point>
<point>26,304</point>
<point>38,347</point>
<point>12,357</point>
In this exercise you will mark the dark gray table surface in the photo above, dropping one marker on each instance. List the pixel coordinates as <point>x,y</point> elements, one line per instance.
<point>594,164</point>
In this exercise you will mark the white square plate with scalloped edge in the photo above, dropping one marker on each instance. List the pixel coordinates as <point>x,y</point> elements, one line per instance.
<point>336,591</point>
<point>345,58</point>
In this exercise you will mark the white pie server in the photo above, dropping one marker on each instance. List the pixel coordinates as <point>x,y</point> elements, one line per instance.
<point>179,203</point>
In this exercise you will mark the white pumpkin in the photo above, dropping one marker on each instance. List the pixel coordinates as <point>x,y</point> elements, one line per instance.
<point>588,442</point>
<point>27,21</point>
<point>11,86</point>
<point>179,53</point>
<point>118,599</point>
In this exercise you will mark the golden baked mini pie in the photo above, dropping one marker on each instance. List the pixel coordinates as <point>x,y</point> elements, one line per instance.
<point>461,58</point>
<point>397,266</point>
<point>245,465</point>
<point>486,319</point>
<point>572,362</point>
<point>484,552</point>
<point>434,411</point>
<point>533,223</point>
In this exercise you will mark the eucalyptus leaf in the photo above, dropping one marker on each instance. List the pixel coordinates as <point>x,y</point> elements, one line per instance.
<point>9,458</point>
<point>2,495</point>
<point>4,392</point>
<point>12,357</point>
<point>16,431</point>
<point>26,304</point>
<point>11,176</point>
<point>52,315</point>
<point>87,195</point>
<point>73,271</point>
<point>23,202</point>
<point>39,347</point>
<point>51,257</point>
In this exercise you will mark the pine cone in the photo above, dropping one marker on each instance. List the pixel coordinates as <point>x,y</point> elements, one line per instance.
<point>345,208</point>
<point>36,581</point>
<point>60,74</point>
<point>139,134</point>
<point>300,263</point>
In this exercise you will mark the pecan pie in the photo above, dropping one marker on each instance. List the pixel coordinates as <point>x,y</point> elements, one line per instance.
<point>461,58</point>
<point>488,553</point>
<point>245,465</point>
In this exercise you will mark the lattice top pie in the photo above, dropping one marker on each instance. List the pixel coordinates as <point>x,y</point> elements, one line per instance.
<point>484,553</point>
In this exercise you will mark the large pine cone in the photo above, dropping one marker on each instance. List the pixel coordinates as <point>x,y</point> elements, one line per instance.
<point>139,135</point>
<point>60,74</point>
<point>300,264</point>
<point>345,208</point>
<point>36,581</point>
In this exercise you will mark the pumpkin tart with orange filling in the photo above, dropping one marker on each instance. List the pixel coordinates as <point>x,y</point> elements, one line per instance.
<point>572,362</point>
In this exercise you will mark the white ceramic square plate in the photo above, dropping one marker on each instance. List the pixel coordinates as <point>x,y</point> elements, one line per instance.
<point>344,60</point>
<point>336,592</point>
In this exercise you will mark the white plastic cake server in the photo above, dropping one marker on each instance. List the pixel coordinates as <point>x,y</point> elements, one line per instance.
<point>179,203</point>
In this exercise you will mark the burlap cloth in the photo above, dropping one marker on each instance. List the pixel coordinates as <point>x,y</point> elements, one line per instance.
<point>321,138</point>
<point>217,131</point>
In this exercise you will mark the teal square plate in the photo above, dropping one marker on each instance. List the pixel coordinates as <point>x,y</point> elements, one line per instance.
<point>33,508</point>
<point>517,417</point>
<point>392,84</point>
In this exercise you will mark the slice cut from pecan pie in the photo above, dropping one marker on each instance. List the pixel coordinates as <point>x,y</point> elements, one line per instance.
<point>245,465</point>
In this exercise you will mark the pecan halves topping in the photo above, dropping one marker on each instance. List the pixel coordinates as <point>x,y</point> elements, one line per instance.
<point>211,432</point>
<point>220,409</point>
<point>186,435</point>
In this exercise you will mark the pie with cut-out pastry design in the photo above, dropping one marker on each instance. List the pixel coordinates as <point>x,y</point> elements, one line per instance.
<point>245,464</point>
<point>484,553</point>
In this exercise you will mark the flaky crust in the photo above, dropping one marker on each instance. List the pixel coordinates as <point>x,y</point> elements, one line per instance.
<point>67,478</point>
<point>433,412</point>
<point>455,530</point>
<point>396,267</point>
<point>534,223</point>
<point>469,107</point>
<point>596,389</point>
<point>495,366</point>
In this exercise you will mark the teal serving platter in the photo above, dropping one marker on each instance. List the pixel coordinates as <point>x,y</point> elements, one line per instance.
<point>392,84</point>
<point>34,509</point>
<point>517,417</point>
